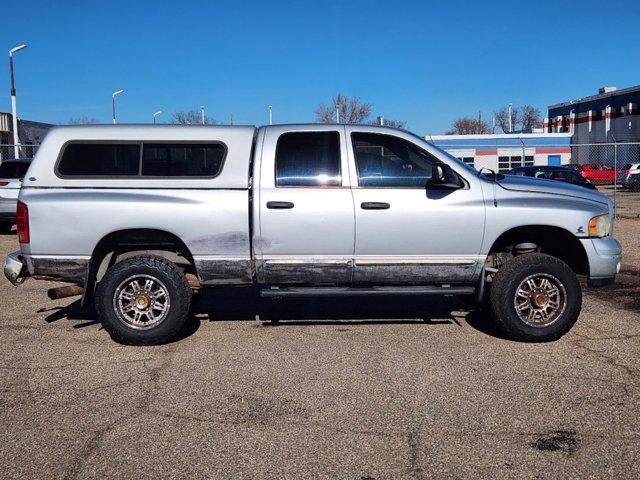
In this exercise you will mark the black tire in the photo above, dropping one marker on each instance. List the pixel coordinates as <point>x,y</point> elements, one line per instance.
<point>506,283</point>
<point>5,228</point>
<point>167,278</point>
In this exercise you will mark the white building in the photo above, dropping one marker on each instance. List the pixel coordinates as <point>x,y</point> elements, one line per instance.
<point>502,152</point>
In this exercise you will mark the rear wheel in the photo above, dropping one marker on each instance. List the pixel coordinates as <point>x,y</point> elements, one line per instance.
<point>535,297</point>
<point>143,300</point>
<point>5,228</point>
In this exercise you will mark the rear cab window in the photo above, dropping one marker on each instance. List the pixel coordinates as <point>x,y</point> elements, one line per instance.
<point>308,159</point>
<point>141,160</point>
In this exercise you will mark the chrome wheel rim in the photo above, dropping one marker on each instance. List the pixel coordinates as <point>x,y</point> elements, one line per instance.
<point>141,302</point>
<point>540,300</point>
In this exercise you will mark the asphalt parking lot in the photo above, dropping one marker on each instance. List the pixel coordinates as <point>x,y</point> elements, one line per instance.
<point>340,389</point>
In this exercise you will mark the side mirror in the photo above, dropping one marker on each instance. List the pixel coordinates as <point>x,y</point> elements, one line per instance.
<point>443,176</point>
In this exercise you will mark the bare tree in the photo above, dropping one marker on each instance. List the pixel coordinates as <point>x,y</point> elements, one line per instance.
<point>192,117</point>
<point>351,109</point>
<point>83,120</point>
<point>389,122</point>
<point>468,126</point>
<point>502,119</point>
<point>530,118</point>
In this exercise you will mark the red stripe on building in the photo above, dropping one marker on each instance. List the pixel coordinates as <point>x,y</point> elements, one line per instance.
<point>486,152</point>
<point>553,150</point>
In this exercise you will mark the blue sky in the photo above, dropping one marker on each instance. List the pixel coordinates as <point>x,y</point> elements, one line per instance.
<point>425,62</point>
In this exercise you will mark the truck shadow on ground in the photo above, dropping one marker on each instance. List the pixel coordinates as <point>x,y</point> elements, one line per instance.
<point>234,304</point>
<point>355,311</point>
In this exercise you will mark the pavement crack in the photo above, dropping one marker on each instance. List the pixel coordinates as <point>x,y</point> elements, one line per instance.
<point>147,395</point>
<point>91,447</point>
<point>632,372</point>
<point>413,441</point>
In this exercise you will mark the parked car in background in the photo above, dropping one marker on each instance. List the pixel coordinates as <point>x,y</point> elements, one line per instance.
<point>11,175</point>
<point>560,174</point>
<point>599,174</point>
<point>629,176</point>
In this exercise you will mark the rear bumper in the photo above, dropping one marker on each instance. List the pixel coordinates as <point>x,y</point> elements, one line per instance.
<point>604,255</point>
<point>15,268</point>
<point>19,266</point>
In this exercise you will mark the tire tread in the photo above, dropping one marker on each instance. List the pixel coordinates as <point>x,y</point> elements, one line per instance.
<point>151,337</point>
<point>500,297</point>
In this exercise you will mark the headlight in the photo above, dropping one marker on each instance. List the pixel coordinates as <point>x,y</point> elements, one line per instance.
<point>600,226</point>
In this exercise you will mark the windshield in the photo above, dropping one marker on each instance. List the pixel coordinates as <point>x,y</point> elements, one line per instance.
<point>13,169</point>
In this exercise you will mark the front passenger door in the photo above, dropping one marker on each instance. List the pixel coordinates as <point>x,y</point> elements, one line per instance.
<point>405,232</point>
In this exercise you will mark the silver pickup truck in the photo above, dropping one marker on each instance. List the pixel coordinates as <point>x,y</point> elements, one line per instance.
<point>138,218</point>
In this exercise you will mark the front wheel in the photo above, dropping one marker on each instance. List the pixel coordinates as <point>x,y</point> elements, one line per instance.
<point>143,300</point>
<point>535,298</point>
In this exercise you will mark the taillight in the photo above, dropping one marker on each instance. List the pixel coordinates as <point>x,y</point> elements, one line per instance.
<point>22,222</point>
<point>4,184</point>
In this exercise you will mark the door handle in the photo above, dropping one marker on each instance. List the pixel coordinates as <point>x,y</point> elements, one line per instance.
<point>374,206</point>
<point>279,205</point>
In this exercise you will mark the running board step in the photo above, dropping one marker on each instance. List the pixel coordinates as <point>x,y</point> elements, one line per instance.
<point>276,292</point>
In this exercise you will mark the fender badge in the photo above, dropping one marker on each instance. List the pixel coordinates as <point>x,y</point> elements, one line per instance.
<point>580,229</point>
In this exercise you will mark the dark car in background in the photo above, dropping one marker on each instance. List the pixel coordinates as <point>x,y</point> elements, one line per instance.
<point>629,176</point>
<point>11,174</point>
<point>560,174</point>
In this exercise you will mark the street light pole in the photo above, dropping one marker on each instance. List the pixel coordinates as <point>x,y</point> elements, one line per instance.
<point>202,113</point>
<point>270,115</point>
<point>155,115</point>
<point>14,113</point>
<point>510,124</point>
<point>113,103</point>
<point>337,113</point>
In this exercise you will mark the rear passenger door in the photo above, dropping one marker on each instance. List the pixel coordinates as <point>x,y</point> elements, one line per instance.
<point>306,216</point>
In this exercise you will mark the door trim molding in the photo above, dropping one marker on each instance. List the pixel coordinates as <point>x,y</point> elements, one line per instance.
<point>417,259</point>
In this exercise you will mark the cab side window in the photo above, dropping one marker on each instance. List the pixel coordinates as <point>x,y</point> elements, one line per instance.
<point>389,161</point>
<point>308,159</point>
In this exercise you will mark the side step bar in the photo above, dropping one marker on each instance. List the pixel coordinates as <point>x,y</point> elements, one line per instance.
<point>276,292</point>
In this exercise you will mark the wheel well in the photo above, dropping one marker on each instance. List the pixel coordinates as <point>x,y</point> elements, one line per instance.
<point>554,241</point>
<point>122,244</point>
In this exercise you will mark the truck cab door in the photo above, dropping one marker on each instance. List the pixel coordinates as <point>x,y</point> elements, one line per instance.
<point>405,231</point>
<point>305,230</point>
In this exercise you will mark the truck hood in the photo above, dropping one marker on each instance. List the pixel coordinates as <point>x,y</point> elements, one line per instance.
<point>551,187</point>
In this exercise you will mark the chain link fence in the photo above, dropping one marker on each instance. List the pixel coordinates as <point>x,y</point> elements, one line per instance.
<point>613,168</point>
<point>9,151</point>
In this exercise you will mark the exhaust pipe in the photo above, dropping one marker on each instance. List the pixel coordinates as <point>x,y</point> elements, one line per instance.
<point>64,292</point>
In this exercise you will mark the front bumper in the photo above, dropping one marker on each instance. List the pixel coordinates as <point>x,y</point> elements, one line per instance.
<point>15,268</point>
<point>604,255</point>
